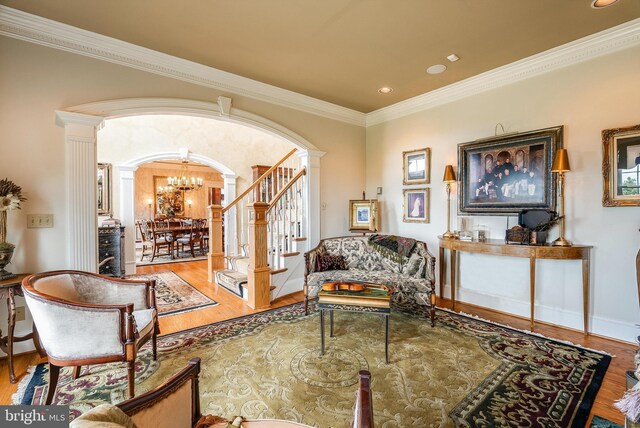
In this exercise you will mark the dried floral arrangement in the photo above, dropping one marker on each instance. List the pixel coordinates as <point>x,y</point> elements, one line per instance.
<point>10,198</point>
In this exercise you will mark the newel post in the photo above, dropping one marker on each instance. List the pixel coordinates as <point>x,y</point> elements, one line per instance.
<point>216,253</point>
<point>258,272</point>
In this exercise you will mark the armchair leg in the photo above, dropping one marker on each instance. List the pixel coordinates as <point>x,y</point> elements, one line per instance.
<point>54,372</point>
<point>131,377</point>
<point>433,316</point>
<point>154,343</point>
<point>76,372</point>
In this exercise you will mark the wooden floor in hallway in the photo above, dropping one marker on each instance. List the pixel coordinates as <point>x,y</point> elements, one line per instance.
<point>230,306</point>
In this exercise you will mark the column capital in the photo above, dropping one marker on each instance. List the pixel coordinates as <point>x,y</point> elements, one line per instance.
<point>64,118</point>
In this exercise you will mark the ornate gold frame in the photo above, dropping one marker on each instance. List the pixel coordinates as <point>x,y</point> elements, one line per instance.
<point>373,219</point>
<point>427,166</point>
<point>103,188</point>
<point>610,157</point>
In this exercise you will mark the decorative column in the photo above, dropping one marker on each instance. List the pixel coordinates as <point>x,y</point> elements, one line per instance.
<point>231,227</point>
<point>126,215</point>
<point>216,253</point>
<point>81,188</point>
<point>258,272</point>
<point>311,218</point>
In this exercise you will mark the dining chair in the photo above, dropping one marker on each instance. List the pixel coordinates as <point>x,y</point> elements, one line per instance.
<point>159,241</point>
<point>194,238</point>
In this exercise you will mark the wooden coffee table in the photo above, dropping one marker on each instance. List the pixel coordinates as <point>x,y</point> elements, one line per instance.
<point>374,299</point>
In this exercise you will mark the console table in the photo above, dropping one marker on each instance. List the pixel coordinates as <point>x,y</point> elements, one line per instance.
<point>9,288</point>
<point>496,247</point>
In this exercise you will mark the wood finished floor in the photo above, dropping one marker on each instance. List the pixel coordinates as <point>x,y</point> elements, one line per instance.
<point>230,307</point>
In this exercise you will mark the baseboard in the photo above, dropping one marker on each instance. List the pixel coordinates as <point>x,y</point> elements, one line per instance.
<point>601,326</point>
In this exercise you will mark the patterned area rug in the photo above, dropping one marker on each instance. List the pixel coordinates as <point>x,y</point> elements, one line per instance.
<point>598,422</point>
<point>175,295</point>
<point>463,372</point>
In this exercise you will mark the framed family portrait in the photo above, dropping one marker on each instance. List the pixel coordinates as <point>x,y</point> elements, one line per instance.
<point>621,167</point>
<point>363,215</point>
<point>416,166</point>
<point>415,206</point>
<point>104,188</point>
<point>508,173</point>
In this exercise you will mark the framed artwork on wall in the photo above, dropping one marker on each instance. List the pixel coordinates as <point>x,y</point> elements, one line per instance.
<point>104,188</point>
<point>415,205</point>
<point>168,203</point>
<point>416,166</point>
<point>621,167</point>
<point>507,174</point>
<point>363,215</point>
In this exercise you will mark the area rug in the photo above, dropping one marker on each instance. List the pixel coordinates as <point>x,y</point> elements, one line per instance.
<point>183,257</point>
<point>598,422</point>
<point>175,295</point>
<point>463,372</point>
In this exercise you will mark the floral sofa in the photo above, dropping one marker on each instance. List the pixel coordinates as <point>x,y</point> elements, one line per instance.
<point>411,274</point>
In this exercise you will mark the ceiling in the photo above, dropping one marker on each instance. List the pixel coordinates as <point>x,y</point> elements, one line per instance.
<point>342,51</point>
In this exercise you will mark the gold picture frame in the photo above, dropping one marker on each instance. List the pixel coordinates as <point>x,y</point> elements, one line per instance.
<point>415,205</point>
<point>103,180</point>
<point>621,167</point>
<point>416,166</point>
<point>364,215</point>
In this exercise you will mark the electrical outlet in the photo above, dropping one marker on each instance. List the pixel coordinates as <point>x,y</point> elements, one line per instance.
<point>20,314</point>
<point>35,221</point>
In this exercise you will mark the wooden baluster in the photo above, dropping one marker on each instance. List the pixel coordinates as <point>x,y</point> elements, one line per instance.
<point>259,274</point>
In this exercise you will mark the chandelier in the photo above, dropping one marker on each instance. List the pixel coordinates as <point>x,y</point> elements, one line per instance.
<point>184,182</point>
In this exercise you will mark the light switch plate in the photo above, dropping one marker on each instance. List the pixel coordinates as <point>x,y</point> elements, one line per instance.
<point>35,221</point>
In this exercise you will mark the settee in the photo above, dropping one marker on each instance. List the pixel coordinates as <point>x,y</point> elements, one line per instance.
<point>402,263</point>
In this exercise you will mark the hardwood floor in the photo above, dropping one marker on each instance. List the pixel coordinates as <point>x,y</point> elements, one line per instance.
<point>195,273</point>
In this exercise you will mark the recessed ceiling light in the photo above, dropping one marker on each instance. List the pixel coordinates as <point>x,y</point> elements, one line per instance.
<point>436,69</point>
<point>385,90</point>
<point>599,4</point>
<point>453,57</point>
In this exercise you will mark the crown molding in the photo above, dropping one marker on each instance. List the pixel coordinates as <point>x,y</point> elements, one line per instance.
<point>605,42</point>
<point>31,28</point>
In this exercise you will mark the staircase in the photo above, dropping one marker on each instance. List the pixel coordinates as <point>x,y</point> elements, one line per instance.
<point>264,259</point>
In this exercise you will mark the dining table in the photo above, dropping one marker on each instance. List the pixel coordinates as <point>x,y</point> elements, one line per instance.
<point>175,232</point>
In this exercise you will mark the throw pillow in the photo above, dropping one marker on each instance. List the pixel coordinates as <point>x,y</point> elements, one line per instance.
<point>329,262</point>
<point>413,266</point>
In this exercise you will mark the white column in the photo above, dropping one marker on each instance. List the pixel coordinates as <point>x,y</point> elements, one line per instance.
<point>310,159</point>
<point>81,188</point>
<point>126,215</point>
<point>231,226</point>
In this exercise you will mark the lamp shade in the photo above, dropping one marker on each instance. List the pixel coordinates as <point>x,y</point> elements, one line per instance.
<point>449,175</point>
<point>561,161</point>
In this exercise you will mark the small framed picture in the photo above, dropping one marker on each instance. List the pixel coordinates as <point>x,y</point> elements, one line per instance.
<point>416,166</point>
<point>415,205</point>
<point>363,215</point>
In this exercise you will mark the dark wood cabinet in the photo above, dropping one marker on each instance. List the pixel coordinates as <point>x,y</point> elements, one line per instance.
<point>111,251</point>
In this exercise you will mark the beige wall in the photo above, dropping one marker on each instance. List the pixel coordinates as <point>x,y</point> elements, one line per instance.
<point>585,98</point>
<point>145,177</point>
<point>35,81</point>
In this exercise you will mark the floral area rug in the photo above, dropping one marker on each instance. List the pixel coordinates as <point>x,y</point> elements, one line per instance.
<point>175,295</point>
<point>463,372</point>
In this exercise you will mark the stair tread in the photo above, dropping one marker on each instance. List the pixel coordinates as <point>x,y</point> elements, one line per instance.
<point>302,238</point>
<point>291,254</point>
<point>276,271</point>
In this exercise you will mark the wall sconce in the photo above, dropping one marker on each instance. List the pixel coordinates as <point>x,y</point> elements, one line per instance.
<point>190,202</point>
<point>149,202</point>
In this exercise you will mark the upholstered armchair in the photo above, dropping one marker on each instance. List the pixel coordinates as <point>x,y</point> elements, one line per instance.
<point>84,318</point>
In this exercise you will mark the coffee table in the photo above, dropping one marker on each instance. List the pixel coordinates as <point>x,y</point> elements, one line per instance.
<point>374,299</point>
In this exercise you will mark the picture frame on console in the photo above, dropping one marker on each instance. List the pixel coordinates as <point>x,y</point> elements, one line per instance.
<point>104,188</point>
<point>363,215</point>
<point>621,167</point>
<point>415,205</point>
<point>508,173</point>
<point>416,166</point>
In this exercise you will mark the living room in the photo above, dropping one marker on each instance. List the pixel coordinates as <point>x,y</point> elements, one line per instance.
<point>584,85</point>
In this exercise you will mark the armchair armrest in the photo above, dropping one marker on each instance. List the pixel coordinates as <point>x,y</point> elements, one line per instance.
<point>430,261</point>
<point>310,258</point>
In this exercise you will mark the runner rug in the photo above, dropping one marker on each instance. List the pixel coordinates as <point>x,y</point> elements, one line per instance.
<point>175,295</point>
<point>463,372</point>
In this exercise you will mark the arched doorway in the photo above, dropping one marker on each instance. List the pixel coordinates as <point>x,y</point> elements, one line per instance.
<point>81,124</point>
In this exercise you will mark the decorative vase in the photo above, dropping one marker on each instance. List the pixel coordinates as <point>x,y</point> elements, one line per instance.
<point>5,258</point>
<point>537,238</point>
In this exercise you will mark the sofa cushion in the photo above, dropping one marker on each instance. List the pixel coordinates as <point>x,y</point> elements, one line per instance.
<point>409,292</point>
<point>326,262</point>
<point>414,266</point>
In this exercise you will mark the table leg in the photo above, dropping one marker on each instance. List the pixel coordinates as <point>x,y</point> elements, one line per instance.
<point>321,331</point>
<point>585,293</point>
<point>330,322</point>
<point>453,253</point>
<point>532,288</point>
<point>11,306</point>
<point>386,338</point>
<point>443,267</point>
